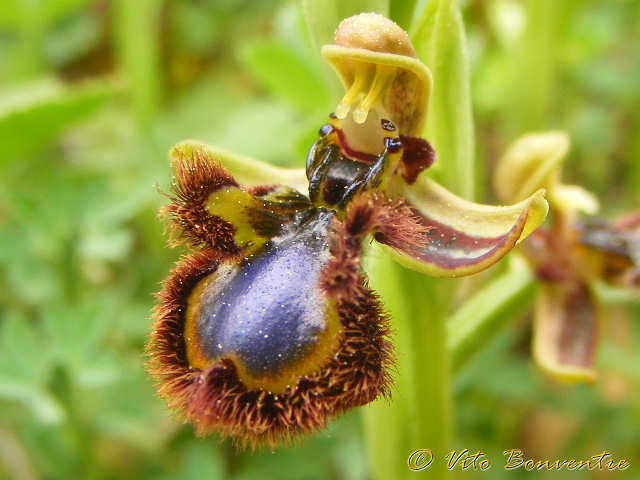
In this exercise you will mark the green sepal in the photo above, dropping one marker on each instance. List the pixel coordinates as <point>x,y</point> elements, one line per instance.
<point>463,237</point>
<point>246,170</point>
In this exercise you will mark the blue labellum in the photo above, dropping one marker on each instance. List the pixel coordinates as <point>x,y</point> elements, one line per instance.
<point>267,311</point>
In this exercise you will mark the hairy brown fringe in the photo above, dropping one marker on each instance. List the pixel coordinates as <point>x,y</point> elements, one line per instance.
<point>369,213</point>
<point>215,400</point>
<point>196,177</point>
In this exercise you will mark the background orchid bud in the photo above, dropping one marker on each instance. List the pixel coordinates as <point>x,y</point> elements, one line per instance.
<point>531,162</point>
<point>534,161</point>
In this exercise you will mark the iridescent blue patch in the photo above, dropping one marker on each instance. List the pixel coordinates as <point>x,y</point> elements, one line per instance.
<point>269,311</point>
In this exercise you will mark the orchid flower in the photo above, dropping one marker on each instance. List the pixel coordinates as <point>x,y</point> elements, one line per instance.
<point>569,256</point>
<point>267,328</point>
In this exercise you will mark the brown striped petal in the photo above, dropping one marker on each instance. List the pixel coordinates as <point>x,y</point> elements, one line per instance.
<point>458,237</point>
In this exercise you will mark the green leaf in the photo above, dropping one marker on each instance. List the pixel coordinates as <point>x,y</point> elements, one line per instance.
<point>24,368</point>
<point>287,75</point>
<point>75,333</point>
<point>43,406</point>
<point>128,410</point>
<point>72,40</point>
<point>440,43</point>
<point>533,94</point>
<point>481,318</point>
<point>23,352</point>
<point>30,115</point>
<point>106,243</point>
<point>18,262</point>
<point>401,12</point>
<point>200,461</point>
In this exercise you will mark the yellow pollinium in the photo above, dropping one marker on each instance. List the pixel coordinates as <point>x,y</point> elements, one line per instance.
<point>378,67</point>
<point>370,82</point>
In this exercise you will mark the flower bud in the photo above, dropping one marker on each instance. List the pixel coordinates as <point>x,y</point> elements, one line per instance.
<point>533,162</point>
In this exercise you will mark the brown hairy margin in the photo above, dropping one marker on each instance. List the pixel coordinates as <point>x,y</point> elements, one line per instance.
<point>368,213</point>
<point>216,401</point>
<point>195,178</point>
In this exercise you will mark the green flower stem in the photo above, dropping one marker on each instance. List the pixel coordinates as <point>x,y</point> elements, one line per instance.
<point>432,376</point>
<point>429,347</point>
<point>482,316</point>
<point>388,423</point>
<point>419,416</point>
<point>138,36</point>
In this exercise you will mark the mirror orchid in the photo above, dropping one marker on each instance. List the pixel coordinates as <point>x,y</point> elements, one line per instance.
<point>267,329</point>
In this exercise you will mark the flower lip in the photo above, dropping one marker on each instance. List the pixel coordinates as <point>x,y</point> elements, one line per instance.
<point>216,399</point>
<point>334,345</point>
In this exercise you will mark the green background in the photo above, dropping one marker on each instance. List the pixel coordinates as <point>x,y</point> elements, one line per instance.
<point>93,94</point>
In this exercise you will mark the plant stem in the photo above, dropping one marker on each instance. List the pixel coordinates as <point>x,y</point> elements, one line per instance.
<point>420,415</point>
<point>388,424</point>
<point>137,35</point>
<point>431,369</point>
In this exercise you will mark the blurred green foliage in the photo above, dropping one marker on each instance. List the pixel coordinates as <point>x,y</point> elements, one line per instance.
<point>92,95</point>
